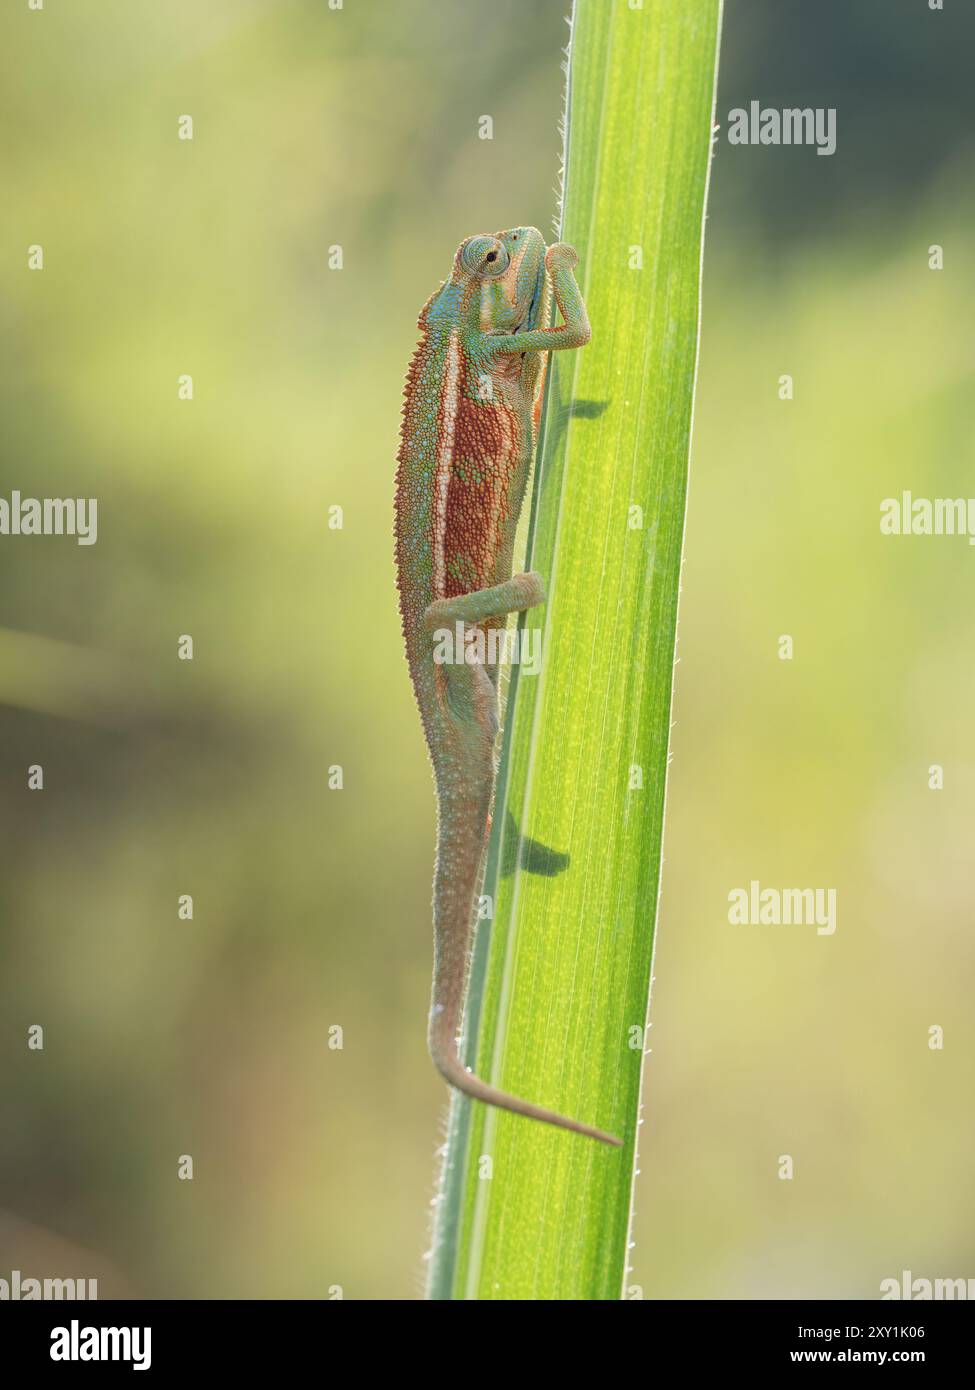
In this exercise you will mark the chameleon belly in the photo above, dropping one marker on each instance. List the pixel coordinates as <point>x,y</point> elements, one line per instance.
<point>473,528</point>
<point>463,466</point>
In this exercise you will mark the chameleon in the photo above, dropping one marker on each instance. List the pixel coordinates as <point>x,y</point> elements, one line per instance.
<point>471,406</point>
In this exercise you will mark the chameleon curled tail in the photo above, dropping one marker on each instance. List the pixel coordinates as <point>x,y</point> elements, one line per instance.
<point>462,841</point>
<point>452,1069</point>
<point>444,1053</point>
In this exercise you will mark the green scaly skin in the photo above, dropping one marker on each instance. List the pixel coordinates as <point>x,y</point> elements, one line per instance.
<point>467,439</point>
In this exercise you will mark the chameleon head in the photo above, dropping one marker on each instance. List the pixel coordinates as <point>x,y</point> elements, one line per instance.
<point>506,272</point>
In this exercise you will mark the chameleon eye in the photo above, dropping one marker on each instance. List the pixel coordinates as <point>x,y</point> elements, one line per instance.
<point>495,262</point>
<point>485,256</point>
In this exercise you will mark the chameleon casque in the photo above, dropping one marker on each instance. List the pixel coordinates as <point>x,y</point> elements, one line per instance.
<point>470,418</point>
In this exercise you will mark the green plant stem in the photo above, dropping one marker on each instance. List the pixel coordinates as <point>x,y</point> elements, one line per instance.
<point>560,983</point>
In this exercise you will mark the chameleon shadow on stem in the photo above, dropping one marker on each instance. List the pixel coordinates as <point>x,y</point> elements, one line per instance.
<point>528,854</point>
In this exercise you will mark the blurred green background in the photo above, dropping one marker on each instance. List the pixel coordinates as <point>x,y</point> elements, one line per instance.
<point>313,1166</point>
